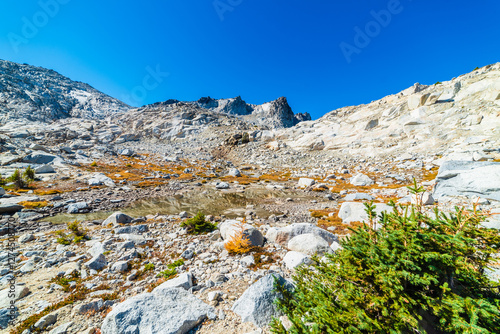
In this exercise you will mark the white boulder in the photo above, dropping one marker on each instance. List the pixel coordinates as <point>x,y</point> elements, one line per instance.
<point>294,259</point>
<point>309,244</point>
<point>283,235</point>
<point>361,180</point>
<point>467,178</point>
<point>184,281</point>
<point>306,182</point>
<point>256,304</point>
<point>424,198</point>
<point>44,169</point>
<point>234,172</point>
<point>117,218</point>
<point>99,179</point>
<point>169,311</point>
<point>355,212</point>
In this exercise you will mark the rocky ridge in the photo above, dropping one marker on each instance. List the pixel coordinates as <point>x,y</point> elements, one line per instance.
<point>456,115</point>
<point>41,95</point>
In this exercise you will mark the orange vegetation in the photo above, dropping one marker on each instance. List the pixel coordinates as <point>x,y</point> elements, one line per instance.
<point>239,243</point>
<point>34,205</point>
<point>41,192</point>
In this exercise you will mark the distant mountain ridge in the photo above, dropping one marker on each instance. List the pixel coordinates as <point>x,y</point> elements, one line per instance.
<point>275,114</point>
<point>38,94</point>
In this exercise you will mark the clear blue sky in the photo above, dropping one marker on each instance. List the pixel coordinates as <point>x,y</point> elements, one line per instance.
<point>259,49</point>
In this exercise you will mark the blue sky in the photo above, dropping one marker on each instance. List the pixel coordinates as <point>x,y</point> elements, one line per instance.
<point>313,52</point>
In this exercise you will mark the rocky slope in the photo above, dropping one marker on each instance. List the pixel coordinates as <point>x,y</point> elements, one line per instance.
<point>174,120</point>
<point>38,94</point>
<point>439,118</point>
<point>42,106</point>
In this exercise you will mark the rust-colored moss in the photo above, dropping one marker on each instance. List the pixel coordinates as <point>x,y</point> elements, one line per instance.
<point>258,253</point>
<point>34,205</point>
<point>430,175</point>
<point>41,192</point>
<point>320,213</point>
